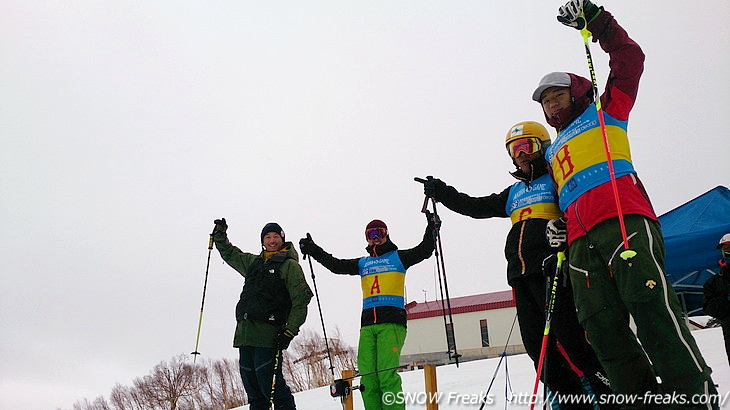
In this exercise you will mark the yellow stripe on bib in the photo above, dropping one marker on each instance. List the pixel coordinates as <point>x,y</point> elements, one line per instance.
<point>386,283</point>
<point>539,210</point>
<point>586,150</point>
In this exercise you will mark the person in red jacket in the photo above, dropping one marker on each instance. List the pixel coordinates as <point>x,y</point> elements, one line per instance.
<point>609,285</point>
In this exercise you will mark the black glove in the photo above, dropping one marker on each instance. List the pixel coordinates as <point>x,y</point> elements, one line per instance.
<point>283,338</point>
<point>557,234</point>
<point>577,13</point>
<point>220,225</point>
<point>434,222</point>
<point>432,187</point>
<point>307,245</point>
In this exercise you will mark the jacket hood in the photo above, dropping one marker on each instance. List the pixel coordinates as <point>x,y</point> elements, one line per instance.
<point>581,96</point>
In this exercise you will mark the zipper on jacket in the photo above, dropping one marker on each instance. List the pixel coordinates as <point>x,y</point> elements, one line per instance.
<point>577,217</point>
<point>375,311</point>
<point>519,248</point>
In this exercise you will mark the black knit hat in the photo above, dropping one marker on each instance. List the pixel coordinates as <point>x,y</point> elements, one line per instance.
<point>272,227</point>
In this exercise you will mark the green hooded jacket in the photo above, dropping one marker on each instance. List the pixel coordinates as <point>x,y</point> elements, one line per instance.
<point>261,334</point>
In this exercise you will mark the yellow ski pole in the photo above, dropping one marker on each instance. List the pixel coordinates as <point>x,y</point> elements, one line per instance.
<point>196,353</point>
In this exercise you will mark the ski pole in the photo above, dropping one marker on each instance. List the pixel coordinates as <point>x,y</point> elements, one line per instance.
<point>319,306</point>
<point>443,306</point>
<point>376,371</point>
<point>277,360</point>
<point>341,387</point>
<point>549,294</point>
<point>196,353</point>
<point>501,357</point>
<point>439,252</point>
<point>546,332</point>
<point>627,253</point>
<point>441,268</point>
<point>424,209</point>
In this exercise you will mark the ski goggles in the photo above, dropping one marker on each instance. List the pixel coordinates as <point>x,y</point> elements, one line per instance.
<point>528,146</point>
<point>375,233</point>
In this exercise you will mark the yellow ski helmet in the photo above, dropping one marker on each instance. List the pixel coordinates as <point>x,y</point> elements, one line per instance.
<point>530,130</point>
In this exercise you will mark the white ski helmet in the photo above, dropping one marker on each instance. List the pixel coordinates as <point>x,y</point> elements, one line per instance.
<point>725,240</point>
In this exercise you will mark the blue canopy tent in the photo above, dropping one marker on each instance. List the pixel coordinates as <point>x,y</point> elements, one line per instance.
<point>691,232</point>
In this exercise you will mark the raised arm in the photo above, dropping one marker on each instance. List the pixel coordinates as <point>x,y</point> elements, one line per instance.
<point>423,250</point>
<point>626,60</point>
<point>335,265</point>
<point>489,206</point>
<point>236,258</point>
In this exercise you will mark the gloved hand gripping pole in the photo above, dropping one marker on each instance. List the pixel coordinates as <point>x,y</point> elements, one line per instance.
<point>441,273</point>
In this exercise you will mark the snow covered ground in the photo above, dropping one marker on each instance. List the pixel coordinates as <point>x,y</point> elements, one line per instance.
<point>463,387</point>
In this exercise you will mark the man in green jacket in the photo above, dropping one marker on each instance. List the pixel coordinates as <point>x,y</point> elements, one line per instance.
<point>272,307</point>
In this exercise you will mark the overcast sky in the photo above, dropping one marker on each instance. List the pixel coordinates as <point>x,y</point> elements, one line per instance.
<point>127,127</point>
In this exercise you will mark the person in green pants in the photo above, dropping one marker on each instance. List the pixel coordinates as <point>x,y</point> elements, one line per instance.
<point>383,320</point>
<point>609,283</point>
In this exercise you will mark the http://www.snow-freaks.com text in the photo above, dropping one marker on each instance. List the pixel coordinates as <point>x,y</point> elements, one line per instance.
<point>526,399</point>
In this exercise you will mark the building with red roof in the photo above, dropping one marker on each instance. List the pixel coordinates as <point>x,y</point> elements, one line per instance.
<point>482,326</point>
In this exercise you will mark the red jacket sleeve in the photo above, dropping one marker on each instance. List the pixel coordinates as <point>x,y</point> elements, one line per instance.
<point>626,61</point>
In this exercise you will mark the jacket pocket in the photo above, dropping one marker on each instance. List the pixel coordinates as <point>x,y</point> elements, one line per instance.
<point>638,281</point>
<point>587,294</point>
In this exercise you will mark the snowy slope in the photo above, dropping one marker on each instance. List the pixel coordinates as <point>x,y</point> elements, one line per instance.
<point>461,388</point>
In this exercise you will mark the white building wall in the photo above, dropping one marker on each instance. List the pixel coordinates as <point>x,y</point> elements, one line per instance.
<point>499,322</point>
<point>425,336</point>
<point>428,335</point>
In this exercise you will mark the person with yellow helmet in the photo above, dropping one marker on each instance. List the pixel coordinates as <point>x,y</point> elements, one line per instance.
<point>530,203</point>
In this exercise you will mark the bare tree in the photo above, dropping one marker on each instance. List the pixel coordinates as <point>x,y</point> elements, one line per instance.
<point>138,398</point>
<point>204,397</point>
<point>126,398</point>
<point>310,354</point>
<point>169,382</point>
<point>344,355</point>
<point>310,365</point>
<point>213,385</point>
<point>99,403</point>
<point>297,380</point>
<point>83,404</point>
<point>221,386</point>
<point>119,398</point>
<point>228,382</point>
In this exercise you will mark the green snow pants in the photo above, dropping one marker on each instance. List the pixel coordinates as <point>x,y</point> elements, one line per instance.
<point>379,348</point>
<point>607,289</point>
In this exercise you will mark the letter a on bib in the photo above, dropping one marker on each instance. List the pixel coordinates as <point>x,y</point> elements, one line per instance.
<point>375,288</point>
